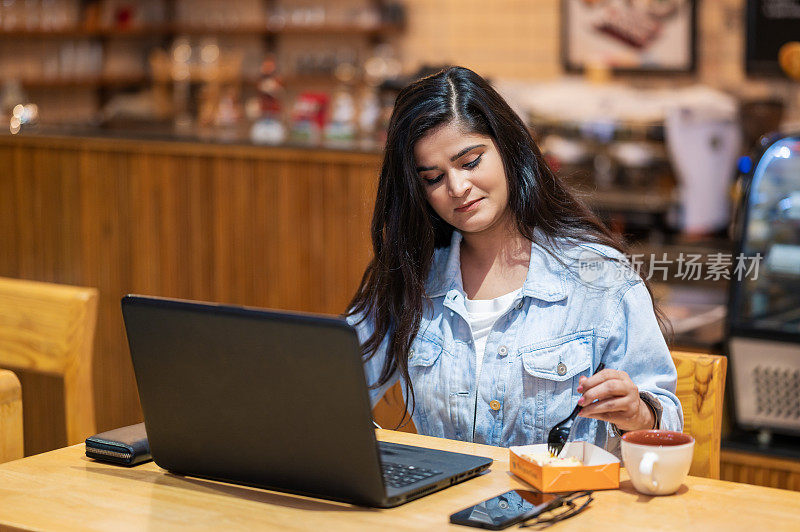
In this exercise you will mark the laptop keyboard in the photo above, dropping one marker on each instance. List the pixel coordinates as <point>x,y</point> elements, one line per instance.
<point>399,475</point>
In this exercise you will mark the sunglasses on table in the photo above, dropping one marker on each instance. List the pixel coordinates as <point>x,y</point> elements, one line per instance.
<point>559,509</point>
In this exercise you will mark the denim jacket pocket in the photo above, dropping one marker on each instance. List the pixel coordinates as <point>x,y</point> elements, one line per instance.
<point>424,352</point>
<point>424,368</point>
<point>552,373</point>
<point>561,361</point>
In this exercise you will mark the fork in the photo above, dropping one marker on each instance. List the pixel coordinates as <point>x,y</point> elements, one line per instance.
<point>558,435</point>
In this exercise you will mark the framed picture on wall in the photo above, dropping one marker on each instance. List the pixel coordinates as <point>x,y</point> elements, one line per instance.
<point>629,35</point>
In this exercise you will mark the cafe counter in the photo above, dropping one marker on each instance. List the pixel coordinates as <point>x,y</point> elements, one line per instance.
<point>216,220</point>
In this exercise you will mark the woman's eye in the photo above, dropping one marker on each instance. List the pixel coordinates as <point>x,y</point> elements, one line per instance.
<point>473,163</point>
<point>433,180</point>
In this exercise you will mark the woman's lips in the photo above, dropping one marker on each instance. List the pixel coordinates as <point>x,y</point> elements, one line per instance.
<point>469,206</point>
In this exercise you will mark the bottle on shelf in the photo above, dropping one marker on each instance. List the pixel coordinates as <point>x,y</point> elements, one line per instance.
<point>268,127</point>
<point>342,124</point>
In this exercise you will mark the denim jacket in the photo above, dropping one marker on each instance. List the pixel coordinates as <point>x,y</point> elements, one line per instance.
<point>571,314</point>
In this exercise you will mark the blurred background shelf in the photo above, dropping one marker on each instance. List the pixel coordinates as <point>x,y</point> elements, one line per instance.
<point>169,29</point>
<point>87,81</point>
<point>62,52</point>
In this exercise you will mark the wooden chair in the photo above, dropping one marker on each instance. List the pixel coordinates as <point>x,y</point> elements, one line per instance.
<point>10,417</point>
<point>49,329</point>
<point>701,389</point>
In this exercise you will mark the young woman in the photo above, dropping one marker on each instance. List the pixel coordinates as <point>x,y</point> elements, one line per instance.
<point>494,293</point>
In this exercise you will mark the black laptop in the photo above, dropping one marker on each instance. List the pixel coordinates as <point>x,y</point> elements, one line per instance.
<point>271,399</point>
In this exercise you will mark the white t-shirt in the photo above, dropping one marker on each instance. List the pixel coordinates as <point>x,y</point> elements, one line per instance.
<point>483,313</point>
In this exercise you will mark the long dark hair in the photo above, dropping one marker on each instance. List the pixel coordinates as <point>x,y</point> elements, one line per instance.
<point>405,229</point>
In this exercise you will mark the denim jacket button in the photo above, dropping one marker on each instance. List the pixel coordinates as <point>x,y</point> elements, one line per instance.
<point>410,353</point>
<point>494,404</point>
<point>519,305</point>
<point>503,350</point>
<point>561,368</point>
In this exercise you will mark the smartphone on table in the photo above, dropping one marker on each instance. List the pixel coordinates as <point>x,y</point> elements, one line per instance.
<point>504,510</point>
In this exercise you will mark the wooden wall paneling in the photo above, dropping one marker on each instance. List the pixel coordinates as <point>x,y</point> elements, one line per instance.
<point>143,200</point>
<point>298,237</point>
<point>108,260</point>
<point>281,225</point>
<point>762,470</point>
<point>359,200</point>
<point>243,202</point>
<point>223,247</point>
<point>9,230</point>
<point>40,238</point>
<point>358,247</point>
<point>317,248</point>
<point>44,419</point>
<point>334,235</point>
<point>269,219</point>
<point>200,225</point>
<point>248,203</point>
<point>170,246</point>
<point>25,212</point>
<point>61,253</point>
<point>260,226</point>
<point>18,210</point>
<point>68,257</point>
<point>291,235</point>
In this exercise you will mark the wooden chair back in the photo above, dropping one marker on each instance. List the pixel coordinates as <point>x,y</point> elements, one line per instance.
<point>11,439</point>
<point>701,389</point>
<point>49,328</point>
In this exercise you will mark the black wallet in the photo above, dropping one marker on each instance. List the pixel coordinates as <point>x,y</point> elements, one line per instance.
<point>126,446</point>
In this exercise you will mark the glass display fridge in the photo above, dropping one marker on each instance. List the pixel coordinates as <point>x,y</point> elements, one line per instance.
<point>764,305</point>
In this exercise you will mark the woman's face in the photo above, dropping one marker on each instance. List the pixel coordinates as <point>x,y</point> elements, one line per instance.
<point>463,177</point>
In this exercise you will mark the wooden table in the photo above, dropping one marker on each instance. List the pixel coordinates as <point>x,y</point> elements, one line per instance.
<point>63,489</point>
